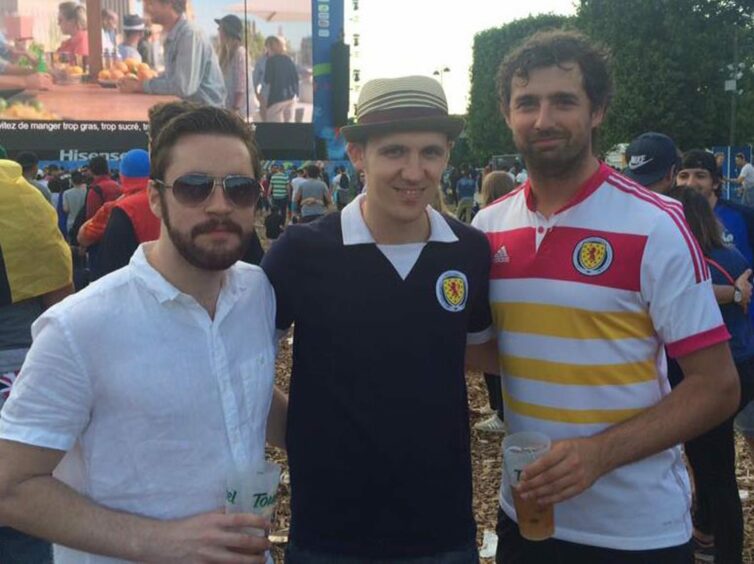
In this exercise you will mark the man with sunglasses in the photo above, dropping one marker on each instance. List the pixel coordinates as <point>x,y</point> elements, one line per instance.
<point>144,390</point>
<point>385,296</point>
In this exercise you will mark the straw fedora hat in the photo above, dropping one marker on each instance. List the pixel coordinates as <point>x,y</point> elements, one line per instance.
<point>408,103</point>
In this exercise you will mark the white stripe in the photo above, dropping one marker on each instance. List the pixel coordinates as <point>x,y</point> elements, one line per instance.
<point>565,294</point>
<point>481,337</point>
<point>576,351</point>
<point>674,209</point>
<point>634,396</point>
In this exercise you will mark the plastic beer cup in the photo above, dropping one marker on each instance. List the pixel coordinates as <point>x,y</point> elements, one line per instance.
<point>536,522</point>
<point>253,490</point>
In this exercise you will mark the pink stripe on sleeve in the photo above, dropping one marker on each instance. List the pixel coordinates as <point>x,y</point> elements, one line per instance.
<point>698,342</point>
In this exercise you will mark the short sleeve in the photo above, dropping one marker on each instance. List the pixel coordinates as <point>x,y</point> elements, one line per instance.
<point>51,401</point>
<point>278,263</point>
<point>676,285</point>
<point>480,321</point>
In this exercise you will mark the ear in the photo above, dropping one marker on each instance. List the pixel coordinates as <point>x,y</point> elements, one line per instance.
<point>153,194</point>
<point>598,114</point>
<point>357,153</point>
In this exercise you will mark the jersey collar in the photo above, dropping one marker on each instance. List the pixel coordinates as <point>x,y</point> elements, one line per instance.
<point>356,232</point>
<point>587,189</point>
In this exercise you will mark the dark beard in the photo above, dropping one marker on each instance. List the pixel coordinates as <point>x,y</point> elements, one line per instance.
<point>198,257</point>
<point>553,165</point>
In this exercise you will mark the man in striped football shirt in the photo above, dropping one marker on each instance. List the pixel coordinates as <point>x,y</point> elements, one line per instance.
<point>592,276</point>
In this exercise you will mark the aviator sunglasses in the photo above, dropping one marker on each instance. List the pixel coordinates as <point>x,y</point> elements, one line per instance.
<point>195,188</point>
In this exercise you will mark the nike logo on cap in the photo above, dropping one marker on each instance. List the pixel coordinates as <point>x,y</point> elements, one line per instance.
<point>638,161</point>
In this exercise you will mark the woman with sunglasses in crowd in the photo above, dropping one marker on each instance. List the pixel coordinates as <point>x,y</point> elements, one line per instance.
<point>717,512</point>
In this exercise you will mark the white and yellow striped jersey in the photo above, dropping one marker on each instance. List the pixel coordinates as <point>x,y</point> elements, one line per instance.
<point>584,303</point>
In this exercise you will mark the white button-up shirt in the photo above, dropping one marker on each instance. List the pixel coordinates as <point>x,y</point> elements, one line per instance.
<point>151,399</point>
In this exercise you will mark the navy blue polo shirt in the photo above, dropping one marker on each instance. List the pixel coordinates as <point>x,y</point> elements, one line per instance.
<point>736,321</point>
<point>735,229</point>
<point>378,424</point>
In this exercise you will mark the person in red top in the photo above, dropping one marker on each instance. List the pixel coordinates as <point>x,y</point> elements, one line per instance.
<point>72,22</point>
<point>102,187</point>
<point>134,177</point>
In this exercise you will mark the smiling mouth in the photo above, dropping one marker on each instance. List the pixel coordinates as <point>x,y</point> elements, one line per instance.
<point>410,191</point>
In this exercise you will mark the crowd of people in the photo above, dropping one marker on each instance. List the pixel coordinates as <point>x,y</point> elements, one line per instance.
<point>194,69</point>
<point>608,311</point>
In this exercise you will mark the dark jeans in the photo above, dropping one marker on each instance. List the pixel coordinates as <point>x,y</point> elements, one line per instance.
<point>495,393</point>
<point>295,555</point>
<point>712,457</point>
<point>19,548</point>
<point>512,548</point>
<point>281,204</point>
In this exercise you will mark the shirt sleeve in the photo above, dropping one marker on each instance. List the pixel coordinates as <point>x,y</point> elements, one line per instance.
<point>118,243</point>
<point>94,228</point>
<point>480,328</point>
<point>676,285</point>
<point>279,265</point>
<point>51,401</point>
<point>183,76</point>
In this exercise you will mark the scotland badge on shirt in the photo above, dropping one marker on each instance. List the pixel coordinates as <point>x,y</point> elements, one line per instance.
<point>452,290</point>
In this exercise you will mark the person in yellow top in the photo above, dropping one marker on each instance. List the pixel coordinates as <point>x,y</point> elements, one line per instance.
<point>35,273</point>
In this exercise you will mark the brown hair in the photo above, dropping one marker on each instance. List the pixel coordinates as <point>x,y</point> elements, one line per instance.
<point>202,120</point>
<point>178,5</point>
<point>274,44</point>
<point>559,48</point>
<point>161,114</point>
<point>228,48</point>
<point>700,217</point>
<point>73,11</point>
<point>496,184</point>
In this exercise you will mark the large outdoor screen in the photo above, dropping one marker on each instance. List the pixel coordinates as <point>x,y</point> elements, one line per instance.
<point>255,57</point>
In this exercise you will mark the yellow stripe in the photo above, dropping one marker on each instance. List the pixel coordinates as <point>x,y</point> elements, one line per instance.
<point>572,323</point>
<point>575,416</point>
<point>579,374</point>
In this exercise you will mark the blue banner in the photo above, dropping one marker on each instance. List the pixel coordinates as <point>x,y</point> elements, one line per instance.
<point>328,20</point>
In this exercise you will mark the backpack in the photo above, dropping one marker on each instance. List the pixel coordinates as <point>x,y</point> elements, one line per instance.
<point>344,181</point>
<point>81,218</point>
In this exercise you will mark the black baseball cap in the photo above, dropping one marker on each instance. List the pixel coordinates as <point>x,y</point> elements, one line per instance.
<point>699,158</point>
<point>650,156</point>
<point>232,25</point>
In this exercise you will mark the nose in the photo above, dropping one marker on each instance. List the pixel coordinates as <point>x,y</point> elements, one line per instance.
<point>413,169</point>
<point>218,202</point>
<point>544,117</point>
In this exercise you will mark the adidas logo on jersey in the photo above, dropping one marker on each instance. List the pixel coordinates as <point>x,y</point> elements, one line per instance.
<point>501,256</point>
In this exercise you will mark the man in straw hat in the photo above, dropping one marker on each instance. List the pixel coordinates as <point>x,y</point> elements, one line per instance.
<point>385,296</point>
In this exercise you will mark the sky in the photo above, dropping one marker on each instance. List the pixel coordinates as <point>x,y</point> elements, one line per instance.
<point>402,37</point>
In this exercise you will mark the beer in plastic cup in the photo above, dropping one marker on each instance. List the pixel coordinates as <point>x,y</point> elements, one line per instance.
<point>536,522</point>
<point>253,490</point>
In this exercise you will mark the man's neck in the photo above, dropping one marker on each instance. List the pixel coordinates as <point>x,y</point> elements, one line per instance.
<point>712,200</point>
<point>387,232</point>
<point>202,285</point>
<point>552,193</point>
<point>173,21</point>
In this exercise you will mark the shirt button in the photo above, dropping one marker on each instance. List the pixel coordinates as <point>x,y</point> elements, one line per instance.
<point>541,230</point>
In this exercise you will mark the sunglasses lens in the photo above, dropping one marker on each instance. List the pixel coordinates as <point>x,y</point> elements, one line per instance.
<point>243,191</point>
<point>192,189</point>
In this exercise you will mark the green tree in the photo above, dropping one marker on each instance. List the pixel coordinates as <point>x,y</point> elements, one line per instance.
<point>669,60</point>
<point>487,133</point>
